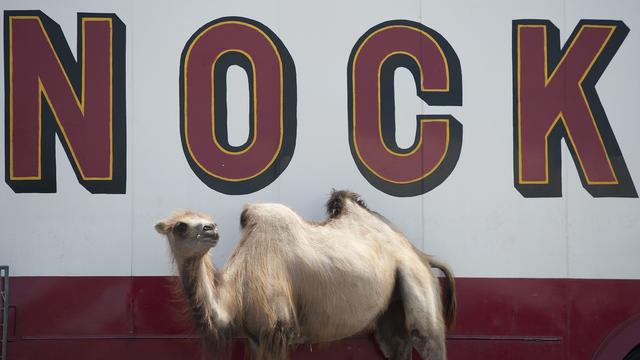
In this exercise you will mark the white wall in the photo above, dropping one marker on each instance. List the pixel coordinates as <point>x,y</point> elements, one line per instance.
<point>475,220</point>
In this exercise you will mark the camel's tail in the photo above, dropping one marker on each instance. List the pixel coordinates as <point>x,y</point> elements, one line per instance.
<point>449,290</point>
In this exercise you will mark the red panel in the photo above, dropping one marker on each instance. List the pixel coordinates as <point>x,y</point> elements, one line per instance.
<point>140,317</point>
<point>505,349</point>
<point>621,341</point>
<point>511,307</point>
<point>158,308</point>
<point>104,349</point>
<point>598,310</point>
<point>68,306</point>
<point>174,349</point>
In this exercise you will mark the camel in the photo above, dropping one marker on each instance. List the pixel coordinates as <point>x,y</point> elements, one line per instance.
<point>291,281</point>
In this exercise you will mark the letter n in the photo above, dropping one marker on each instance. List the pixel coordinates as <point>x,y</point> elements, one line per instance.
<point>48,92</point>
<point>555,97</point>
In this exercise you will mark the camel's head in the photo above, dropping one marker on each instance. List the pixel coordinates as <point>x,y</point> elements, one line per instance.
<point>190,234</point>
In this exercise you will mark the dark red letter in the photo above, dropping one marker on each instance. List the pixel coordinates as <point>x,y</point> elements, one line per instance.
<point>272,88</point>
<point>554,98</point>
<point>436,70</point>
<point>47,91</point>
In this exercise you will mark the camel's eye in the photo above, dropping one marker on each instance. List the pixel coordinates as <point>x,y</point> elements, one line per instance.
<point>180,228</point>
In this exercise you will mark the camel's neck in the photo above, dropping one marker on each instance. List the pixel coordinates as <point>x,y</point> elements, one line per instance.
<point>201,287</point>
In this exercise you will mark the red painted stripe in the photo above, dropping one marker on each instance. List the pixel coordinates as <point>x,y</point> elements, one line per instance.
<point>134,317</point>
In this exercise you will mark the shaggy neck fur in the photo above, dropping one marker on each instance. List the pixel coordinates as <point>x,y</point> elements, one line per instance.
<point>201,285</point>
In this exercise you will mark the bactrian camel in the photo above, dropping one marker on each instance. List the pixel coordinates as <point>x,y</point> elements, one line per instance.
<point>291,281</point>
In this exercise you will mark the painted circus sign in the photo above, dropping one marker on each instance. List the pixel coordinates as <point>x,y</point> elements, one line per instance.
<point>81,100</point>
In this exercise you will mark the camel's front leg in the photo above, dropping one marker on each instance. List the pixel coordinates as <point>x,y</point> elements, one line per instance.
<point>277,328</point>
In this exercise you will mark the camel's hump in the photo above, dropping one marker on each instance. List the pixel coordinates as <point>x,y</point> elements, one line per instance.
<point>266,213</point>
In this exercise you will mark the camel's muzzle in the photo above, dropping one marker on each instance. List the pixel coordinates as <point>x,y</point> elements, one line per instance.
<point>209,233</point>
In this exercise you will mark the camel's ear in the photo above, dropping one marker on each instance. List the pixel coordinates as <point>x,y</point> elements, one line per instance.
<point>162,227</point>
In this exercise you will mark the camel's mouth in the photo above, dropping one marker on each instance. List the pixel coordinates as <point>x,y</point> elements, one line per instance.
<point>209,237</point>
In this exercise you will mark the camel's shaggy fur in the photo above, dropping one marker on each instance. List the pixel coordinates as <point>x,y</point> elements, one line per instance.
<point>290,281</point>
